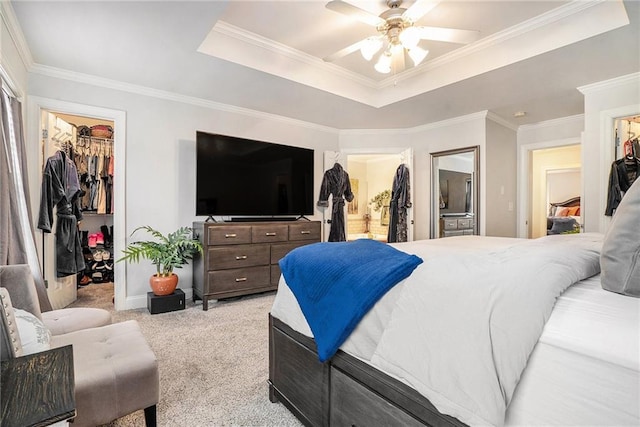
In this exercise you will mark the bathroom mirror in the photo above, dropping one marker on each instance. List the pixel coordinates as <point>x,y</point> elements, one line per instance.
<point>454,192</point>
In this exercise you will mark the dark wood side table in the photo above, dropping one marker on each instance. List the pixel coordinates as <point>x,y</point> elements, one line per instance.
<point>38,389</point>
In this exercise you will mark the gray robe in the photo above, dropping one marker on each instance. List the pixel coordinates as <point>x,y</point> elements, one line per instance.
<point>400,201</point>
<point>336,183</point>
<point>61,189</point>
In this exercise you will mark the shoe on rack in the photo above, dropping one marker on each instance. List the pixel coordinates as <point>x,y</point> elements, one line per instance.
<point>108,237</point>
<point>93,240</point>
<point>85,280</point>
<point>100,238</point>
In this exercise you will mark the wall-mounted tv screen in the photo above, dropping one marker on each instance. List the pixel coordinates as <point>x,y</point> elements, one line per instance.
<point>244,177</point>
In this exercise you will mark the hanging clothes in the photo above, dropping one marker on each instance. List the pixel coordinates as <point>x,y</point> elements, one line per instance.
<point>400,201</point>
<point>336,183</point>
<point>623,173</point>
<point>61,189</point>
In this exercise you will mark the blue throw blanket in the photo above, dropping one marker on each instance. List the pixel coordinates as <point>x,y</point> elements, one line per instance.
<point>337,283</point>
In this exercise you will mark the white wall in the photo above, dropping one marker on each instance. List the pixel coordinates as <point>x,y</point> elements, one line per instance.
<point>499,194</point>
<point>604,102</point>
<point>160,156</point>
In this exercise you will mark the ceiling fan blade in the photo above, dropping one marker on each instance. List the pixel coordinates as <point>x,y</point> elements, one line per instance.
<point>344,52</point>
<point>419,9</point>
<point>355,12</point>
<point>450,35</point>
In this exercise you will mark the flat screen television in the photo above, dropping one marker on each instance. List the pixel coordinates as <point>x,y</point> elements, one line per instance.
<point>244,177</point>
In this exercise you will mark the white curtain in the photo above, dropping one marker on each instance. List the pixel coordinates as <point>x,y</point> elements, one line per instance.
<point>17,245</point>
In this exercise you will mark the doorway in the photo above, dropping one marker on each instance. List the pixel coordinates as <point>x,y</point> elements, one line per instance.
<point>371,175</point>
<point>555,177</point>
<point>88,143</point>
<point>37,108</point>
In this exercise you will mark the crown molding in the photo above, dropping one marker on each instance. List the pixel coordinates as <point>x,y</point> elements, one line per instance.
<point>455,121</point>
<point>499,120</point>
<point>244,36</point>
<point>633,78</point>
<point>15,32</point>
<point>170,96</point>
<point>495,39</point>
<point>562,121</point>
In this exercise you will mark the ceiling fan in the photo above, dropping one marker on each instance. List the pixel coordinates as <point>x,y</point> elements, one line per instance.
<point>397,33</point>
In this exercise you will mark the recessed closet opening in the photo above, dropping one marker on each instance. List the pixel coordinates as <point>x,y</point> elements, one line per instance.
<point>86,146</point>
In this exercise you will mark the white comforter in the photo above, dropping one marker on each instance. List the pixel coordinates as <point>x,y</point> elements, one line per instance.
<point>465,324</point>
<point>461,327</point>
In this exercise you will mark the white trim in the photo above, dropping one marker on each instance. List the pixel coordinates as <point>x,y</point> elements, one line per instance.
<point>610,84</point>
<point>169,96</point>
<point>35,106</point>
<point>523,179</point>
<point>15,32</point>
<point>422,128</point>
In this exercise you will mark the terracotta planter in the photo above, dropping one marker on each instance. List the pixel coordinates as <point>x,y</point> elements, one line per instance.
<point>163,285</point>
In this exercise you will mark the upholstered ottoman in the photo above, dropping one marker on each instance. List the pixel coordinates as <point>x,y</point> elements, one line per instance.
<point>116,373</point>
<point>67,320</point>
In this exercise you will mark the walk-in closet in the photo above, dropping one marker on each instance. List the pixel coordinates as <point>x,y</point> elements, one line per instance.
<point>80,258</point>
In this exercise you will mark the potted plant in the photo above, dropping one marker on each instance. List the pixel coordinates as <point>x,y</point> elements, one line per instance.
<point>167,253</point>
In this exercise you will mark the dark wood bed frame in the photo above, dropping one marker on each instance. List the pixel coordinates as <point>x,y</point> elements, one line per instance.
<point>343,391</point>
<point>569,203</point>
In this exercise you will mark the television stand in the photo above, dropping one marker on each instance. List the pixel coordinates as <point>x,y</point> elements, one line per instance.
<point>210,219</point>
<point>302,217</point>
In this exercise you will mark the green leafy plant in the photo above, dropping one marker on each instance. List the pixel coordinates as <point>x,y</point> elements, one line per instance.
<point>381,199</point>
<point>168,252</point>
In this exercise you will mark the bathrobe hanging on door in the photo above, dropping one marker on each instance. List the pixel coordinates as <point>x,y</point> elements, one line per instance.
<point>400,201</point>
<point>61,188</point>
<point>336,182</point>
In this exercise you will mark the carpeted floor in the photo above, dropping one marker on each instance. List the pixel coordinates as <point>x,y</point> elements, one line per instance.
<point>214,364</point>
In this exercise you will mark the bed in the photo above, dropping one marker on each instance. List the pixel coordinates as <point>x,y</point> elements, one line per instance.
<point>582,367</point>
<point>564,216</point>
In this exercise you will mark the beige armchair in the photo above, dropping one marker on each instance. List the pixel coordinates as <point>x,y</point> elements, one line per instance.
<point>116,372</point>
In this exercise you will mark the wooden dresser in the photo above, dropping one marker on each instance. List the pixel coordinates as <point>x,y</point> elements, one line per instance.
<point>242,258</point>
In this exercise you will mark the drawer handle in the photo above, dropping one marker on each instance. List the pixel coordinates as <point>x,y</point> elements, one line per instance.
<point>239,257</point>
<point>269,234</point>
<point>230,235</point>
<point>305,232</point>
<point>241,279</point>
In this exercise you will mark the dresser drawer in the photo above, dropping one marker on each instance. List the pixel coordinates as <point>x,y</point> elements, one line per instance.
<point>238,279</point>
<point>450,224</point>
<point>449,233</point>
<point>237,256</point>
<point>278,251</point>
<point>269,233</point>
<point>464,223</point>
<point>228,235</point>
<point>275,274</point>
<point>468,232</point>
<point>304,231</point>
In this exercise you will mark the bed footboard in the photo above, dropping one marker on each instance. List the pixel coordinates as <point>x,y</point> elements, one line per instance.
<point>341,391</point>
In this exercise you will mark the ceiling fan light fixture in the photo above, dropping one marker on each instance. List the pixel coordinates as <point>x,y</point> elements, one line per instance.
<point>410,37</point>
<point>384,63</point>
<point>370,47</point>
<point>417,55</point>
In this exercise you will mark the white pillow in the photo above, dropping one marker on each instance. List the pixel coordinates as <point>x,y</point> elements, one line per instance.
<point>34,335</point>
